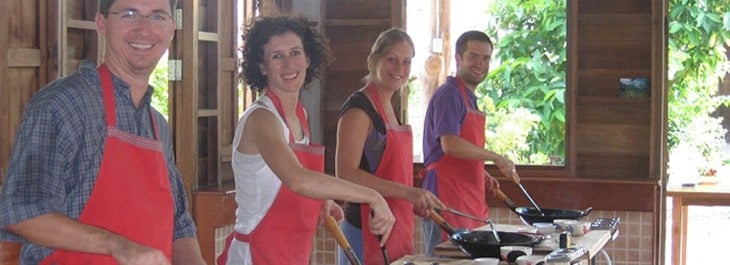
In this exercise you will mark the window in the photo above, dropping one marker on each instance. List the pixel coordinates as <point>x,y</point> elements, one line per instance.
<point>524,93</point>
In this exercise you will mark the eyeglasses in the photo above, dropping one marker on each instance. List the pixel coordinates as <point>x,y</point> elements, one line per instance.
<point>133,16</point>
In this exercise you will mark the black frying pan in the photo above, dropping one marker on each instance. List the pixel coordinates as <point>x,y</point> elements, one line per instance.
<point>479,243</point>
<point>531,215</point>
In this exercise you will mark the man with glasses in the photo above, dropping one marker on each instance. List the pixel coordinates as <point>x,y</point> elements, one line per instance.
<point>92,178</point>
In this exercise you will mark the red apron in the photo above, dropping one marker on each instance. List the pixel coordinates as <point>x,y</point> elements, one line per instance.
<point>132,195</point>
<point>395,165</point>
<point>285,235</point>
<point>461,182</point>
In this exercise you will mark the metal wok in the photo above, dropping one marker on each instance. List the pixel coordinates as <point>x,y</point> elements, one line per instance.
<point>531,215</point>
<point>479,243</point>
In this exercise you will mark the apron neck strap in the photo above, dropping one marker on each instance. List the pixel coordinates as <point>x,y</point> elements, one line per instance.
<point>464,95</point>
<point>373,93</point>
<point>107,90</point>
<point>300,114</point>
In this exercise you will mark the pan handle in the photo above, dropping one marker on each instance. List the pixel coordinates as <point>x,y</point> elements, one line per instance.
<point>506,200</point>
<point>441,222</point>
<point>332,226</point>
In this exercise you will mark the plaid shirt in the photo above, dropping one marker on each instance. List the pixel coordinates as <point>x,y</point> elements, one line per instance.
<point>58,150</point>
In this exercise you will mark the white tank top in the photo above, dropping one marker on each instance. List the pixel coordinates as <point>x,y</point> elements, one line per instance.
<point>256,185</point>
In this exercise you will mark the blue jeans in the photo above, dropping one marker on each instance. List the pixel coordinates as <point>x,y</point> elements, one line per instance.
<point>354,236</point>
<point>431,235</point>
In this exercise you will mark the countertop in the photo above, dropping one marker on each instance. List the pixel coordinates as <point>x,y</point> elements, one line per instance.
<point>450,254</point>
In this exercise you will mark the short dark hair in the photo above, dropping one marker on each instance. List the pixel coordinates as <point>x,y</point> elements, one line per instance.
<point>104,6</point>
<point>469,36</point>
<point>259,33</point>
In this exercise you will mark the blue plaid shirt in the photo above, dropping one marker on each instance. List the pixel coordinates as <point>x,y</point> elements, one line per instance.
<point>58,150</point>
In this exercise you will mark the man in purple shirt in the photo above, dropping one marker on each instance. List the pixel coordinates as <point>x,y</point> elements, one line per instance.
<point>453,141</point>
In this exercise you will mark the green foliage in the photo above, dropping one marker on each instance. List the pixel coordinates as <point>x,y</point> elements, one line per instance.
<point>699,32</point>
<point>529,74</point>
<point>160,94</point>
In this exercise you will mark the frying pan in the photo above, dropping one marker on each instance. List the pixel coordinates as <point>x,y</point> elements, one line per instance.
<point>478,243</point>
<point>530,215</point>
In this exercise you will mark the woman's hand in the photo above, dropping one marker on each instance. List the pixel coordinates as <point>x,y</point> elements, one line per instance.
<point>331,208</point>
<point>423,201</point>
<point>381,220</point>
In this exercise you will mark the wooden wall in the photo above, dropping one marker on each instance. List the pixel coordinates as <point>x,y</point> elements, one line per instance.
<point>612,134</point>
<point>21,33</point>
<point>351,32</point>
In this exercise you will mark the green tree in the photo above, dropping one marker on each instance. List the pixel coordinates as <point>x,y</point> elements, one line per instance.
<point>159,82</point>
<point>699,33</point>
<point>529,74</point>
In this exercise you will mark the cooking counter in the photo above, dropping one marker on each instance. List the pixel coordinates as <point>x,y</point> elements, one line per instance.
<point>449,253</point>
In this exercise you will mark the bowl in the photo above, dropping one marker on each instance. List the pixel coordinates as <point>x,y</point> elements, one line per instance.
<point>510,253</point>
<point>544,228</point>
<point>565,224</point>
<point>486,261</point>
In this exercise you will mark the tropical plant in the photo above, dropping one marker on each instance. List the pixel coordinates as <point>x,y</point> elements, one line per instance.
<point>699,34</point>
<point>159,82</point>
<point>529,73</point>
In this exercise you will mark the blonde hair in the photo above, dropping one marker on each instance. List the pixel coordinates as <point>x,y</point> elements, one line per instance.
<point>382,46</point>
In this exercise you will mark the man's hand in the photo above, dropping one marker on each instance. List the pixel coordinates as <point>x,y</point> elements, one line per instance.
<point>130,253</point>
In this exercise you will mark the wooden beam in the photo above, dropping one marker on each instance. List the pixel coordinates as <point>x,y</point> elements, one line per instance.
<point>24,57</point>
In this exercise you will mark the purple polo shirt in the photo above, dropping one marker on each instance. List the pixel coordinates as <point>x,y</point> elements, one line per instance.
<point>445,115</point>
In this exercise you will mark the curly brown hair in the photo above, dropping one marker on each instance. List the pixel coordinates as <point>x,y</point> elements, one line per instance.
<point>259,33</point>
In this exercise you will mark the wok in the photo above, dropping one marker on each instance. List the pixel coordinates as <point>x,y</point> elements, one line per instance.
<point>478,243</point>
<point>530,215</point>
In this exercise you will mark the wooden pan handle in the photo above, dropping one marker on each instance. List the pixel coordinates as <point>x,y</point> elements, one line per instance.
<point>503,197</point>
<point>334,228</point>
<point>441,222</point>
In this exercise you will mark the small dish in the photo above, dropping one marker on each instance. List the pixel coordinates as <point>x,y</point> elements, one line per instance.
<point>564,224</point>
<point>544,228</point>
<point>510,253</point>
<point>486,261</point>
<point>530,260</point>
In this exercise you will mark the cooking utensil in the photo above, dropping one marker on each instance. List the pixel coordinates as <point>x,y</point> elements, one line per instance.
<point>532,215</point>
<point>478,243</point>
<point>440,221</point>
<point>463,214</point>
<point>332,226</point>
<point>450,231</point>
<point>517,181</point>
<point>383,250</point>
